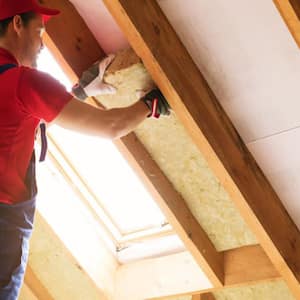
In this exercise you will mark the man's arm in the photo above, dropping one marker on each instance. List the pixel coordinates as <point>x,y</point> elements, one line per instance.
<point>111,123</point>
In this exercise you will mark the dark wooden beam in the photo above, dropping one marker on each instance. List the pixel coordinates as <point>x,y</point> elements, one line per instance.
<point>71,35</point>
<point>290,12</point>
<point>296,6</point>
<point>175,208</point>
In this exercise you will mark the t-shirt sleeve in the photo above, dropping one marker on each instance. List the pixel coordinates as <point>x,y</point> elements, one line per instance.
<point>40,95</point>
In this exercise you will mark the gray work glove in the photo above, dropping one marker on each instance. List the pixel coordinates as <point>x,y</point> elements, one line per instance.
<point>91,81</point>
<point>156,103</point>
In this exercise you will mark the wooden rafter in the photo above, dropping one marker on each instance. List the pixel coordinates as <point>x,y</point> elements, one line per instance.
<point>175,208</point>
<point>36,286</point>
<point>71,31</point>
<point>243,266</point>
<point>247,265</point>
<point>174,71</point>
<point>296,6</point>
<point>290,12</point>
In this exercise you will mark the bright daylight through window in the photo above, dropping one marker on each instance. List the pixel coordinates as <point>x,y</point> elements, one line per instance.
<point>92,171</point>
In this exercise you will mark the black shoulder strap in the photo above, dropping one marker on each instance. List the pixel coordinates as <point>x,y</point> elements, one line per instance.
<point>6,67</point>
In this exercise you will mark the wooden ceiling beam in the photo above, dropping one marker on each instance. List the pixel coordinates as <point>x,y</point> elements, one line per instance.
<point>35,285</point>
<point>194,103</point>
<point>174,207</point>
<point>290,12</point>
<point>63,43</point>
<point>296,6</point>
<point>243,267</point>
<point>248,265</point>
<point>74,38</point>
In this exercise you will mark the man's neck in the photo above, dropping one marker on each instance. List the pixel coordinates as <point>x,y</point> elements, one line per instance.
<point>10,47</point>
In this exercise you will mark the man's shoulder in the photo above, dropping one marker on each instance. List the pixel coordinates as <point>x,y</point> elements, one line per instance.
<point>31,71</point>
<point>33,76</point>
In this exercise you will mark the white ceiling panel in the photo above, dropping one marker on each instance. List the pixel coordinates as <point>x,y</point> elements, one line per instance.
<point>252,63</point>
<point>279,158</point>
<point>249,58</point>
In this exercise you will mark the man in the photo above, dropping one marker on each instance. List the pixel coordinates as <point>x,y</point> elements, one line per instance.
<point>28,96</point>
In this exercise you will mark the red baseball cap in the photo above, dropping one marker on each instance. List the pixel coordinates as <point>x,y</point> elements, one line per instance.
<point>10,8</point>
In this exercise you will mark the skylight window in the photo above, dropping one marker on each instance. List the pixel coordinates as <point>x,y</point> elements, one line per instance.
<point>108,185</point>
<point>105,171</point>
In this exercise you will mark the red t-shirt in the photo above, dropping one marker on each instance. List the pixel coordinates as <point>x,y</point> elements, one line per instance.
<point>26,97</point>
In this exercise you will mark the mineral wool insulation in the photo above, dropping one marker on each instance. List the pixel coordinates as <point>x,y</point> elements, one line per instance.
<point>173,150</point>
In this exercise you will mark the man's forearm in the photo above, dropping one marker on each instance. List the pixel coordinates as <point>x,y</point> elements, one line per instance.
<point>112,123</point>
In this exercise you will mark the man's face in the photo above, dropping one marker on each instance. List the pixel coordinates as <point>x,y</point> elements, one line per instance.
<point>31,41</point>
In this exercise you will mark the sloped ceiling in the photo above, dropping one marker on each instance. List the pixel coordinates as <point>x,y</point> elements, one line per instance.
<point>252,64</point>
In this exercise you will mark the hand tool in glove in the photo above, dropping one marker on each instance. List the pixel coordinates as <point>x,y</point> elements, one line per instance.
<point>157,103</point>
<point>91,81</point>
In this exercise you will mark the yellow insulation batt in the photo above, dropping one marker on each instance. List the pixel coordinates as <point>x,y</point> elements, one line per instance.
<point>171,147</point>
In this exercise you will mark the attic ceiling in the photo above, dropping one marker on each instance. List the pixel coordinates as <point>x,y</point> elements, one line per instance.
<point>255,76</point>
<point>251,62</point>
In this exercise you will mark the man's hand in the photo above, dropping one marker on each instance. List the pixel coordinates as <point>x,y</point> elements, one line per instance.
<point>91,81</point>
<point>156,103</point>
